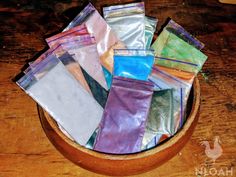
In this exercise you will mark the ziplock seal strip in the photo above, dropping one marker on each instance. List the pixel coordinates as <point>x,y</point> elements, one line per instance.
<point>175,60</point>
<point>50,41</point>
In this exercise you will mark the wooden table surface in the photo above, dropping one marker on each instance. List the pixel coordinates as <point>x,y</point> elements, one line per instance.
<point>25,150</point>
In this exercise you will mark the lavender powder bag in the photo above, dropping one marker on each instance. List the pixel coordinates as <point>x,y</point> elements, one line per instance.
<point>124,119</point>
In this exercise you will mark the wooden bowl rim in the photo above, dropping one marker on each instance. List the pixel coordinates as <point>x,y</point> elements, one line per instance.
<point>143,154</point>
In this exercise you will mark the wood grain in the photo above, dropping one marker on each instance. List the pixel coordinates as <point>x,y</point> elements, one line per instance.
<point>24,148</point>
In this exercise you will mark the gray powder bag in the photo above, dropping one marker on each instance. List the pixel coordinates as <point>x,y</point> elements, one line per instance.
<point>160,121</point>
<point>52,86</point>
<point>163,80</point>
<point>128,22</point>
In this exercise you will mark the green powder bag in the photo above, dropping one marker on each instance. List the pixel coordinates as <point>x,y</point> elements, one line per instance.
<point>173,52</point>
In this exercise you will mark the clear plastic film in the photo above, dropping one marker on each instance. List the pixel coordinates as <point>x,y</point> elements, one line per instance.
<point>122,127</point>
<point>106,39</point>
<point>179,31</point>
<point>74,68</point>
<point>182,76</point>
<point>33,75</point>
<point>65,45</point>
<point>173,52</point>
<point>108,77</point>
<point>160,119</point>
<point>51,92</point>
<point>46,54</point>
<point>88,58</point>
<point>150,28</point>
<point>77,42</point>
<point>181,90</point>
<point>133,63</point>
<point>186,77</point>
<point>84,50</point>
<point>76,31</point>
<point>108,64</point>
<point>83,16</point>
<point>128,23</point>
<point>92,139</point>
<point>155,141</point>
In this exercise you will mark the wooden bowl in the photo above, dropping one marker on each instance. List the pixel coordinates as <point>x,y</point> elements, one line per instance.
<point>118,165</point>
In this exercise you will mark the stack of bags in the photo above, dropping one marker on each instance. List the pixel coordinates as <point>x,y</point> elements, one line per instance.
<point>107,87</point>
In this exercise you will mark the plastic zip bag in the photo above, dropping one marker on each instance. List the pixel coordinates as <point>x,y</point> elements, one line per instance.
<point>77,42</point>
<point>109,64</point>
<point>181,90</point>
<point>122,127</point>
<point>33,75</point>
<point>181,76</point>
<point>128,23</point>
<point>65,45</point>
<point>150,28</point>
<point>76,31</point>
<point>185,77</point>
<point>106,39</point>
<point>74,68</point>
<point>155,141</point>
<point>81,17</point>
<point>179,31</point>
<point>133,63</point>
<point>33,64</point>
<point>84,50</point>
<point>173,52</point>
<point>50,90</point>
<point>88,58</point>
<point>97,91</point>
<point>160,119</point>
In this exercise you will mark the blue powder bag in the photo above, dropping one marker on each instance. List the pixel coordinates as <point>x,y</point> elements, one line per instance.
<point>133,63</point>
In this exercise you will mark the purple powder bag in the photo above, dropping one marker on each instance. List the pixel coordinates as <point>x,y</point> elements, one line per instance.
<point>124,119</point>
